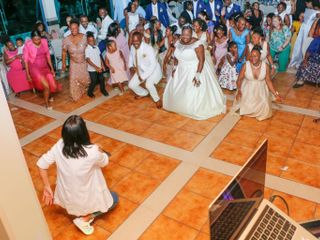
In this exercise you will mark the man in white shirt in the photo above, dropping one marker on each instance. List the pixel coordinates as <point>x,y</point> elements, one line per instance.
<point>106,21</point>
<point>144,67</point>
<point>86,27</point>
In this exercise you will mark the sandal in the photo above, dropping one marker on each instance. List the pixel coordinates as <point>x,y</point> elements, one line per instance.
<point>83,226</point>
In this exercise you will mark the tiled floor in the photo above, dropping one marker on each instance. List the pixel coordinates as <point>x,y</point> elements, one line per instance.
<point>136,173</point>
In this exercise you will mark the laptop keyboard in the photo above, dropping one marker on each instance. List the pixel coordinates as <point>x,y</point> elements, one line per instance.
<point>230,219</point>
<point>271,225</point>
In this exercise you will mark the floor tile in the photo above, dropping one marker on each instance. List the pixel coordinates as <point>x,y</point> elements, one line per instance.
<point>164,228</point>
<point>130,156</point>
<point>306,153</point>
<point>288,118</point>
<point>71,232</point>
<point>277,145</point>
<point>114,173</point>
<point>40,146</point>
<point>251,124</point>
<point>243,138</point>
<point>157,166</point>
<point>172,120</point>
<point>275,163</point>
<point>285,130</point>
<point>184,140</point>
<point>232,153</point>
<point>310,136</point>
<point>302,173</point>
<point>136,187</point>
<point>150,114</point>
<point>189,208</point>
<point>114,120</point>
<point>135,126</point>
<point>299,209</point>
<point>158,132</point>
<point>113,219</point>
<point>317,212</point>
<point>203,127</point>
<point>314,105</point>
<point>207,183</point>
<point>55,133</point>
<point>110,145</point>
<point>95,114</point>
<point>308,123</point>
<point>202,236</point>
<point>22,131</point>
<point>302,102</point>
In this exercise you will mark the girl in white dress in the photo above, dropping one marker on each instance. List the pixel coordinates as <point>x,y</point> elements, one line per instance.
<point>81,188</point>
<point>193,90</point>
<point>132,17</point>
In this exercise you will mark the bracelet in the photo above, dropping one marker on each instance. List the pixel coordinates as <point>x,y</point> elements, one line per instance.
<point>276,94</point>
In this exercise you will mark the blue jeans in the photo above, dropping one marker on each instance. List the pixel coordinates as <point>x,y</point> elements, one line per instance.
<point>115,202</point>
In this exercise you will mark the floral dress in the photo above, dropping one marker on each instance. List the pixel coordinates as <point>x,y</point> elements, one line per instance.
<point>228,75</point>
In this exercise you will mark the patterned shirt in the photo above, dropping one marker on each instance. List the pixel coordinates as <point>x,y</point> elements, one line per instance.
<point>278,38</point>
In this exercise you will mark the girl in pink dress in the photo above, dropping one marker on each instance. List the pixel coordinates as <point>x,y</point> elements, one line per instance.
<point>116,62</point>
<point>17,76</point>
<point>221,46</point>
<point>39,66</point>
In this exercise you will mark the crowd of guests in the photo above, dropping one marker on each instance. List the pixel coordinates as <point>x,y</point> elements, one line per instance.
<point>197,50</point>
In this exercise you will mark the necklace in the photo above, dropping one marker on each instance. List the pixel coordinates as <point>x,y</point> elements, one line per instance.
<point>256,66</point>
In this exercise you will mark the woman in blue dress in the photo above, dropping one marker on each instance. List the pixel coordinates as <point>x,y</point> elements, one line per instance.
<point>240,35</point>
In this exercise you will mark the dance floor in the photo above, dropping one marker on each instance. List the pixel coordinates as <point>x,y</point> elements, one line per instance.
<point>168,168</point>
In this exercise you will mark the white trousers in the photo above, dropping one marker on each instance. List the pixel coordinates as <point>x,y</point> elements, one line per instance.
<point>155,77</point>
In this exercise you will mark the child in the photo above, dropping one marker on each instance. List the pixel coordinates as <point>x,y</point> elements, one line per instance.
<point>95,68</point>
<point>81,188</point>
<point>228,76</point>
<point>221,44</point>
<point>20,45</point>
<point>116,62</point>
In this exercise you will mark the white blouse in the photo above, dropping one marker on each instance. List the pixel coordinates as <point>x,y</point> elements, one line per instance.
<point>81,188</point>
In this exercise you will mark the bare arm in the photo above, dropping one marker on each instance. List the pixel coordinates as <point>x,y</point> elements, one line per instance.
<point>166,60</point>
<point>64,57</point>
<point>200,55</point>
<point>47,192</point>
<point>98,69</point>
<point>123,59</point>
<point>50,65</point>
<point>239,81</point>
<point>313,28</point>
<point>270,85</point>
<point>8,60</point>
<point>127,22</point>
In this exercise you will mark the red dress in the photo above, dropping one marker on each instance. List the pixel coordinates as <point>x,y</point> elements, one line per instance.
<point>39,70</point>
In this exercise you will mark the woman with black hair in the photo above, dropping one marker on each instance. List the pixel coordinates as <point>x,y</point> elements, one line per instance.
<point>39,26</point>
<point>75,44</point>
<point>39,69</point>
<point>81,188</point>
<point>155,35</point>
<point>254,86</point>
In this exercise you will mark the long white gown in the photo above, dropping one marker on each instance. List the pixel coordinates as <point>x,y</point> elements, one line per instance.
<point>182,97</point>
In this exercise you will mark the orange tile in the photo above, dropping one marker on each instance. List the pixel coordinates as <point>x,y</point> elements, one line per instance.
<point>110,221</point>
<point>136,187</point>
<point>94,114</point>
<point>300,209</point>
<point>302,173</point>
<point>71,232</point>
<point>199,127</point>
<point>164,228</point>
<point>114,173</point>
<point>157,166</point>
<point>172,120</point>
<point>308,123</point>
<point>317,213</point>
<point>232,153</point>
<point>314,105</point>
<point>243,138</point>
<point>251,124</point>
<point>207,183</point>
<point>285,130</point>
<point>274,164</point>
<point>158,132</point>
<point>151,114</point>
<point>288,118</point>
<point>57,218</point>
<point>22,131</point>
<point>129,109</point>
<point>306,153</point>
<point>31,161</point>
<point>135,126</point>
<point>301,102</point>
<point>203,236</point>
<point>95,137</point>
<point>40,146</point>
<point>55,133</point>
<point>310,136</point>
<point>114,120</point>
<point>206,228</point>
<point>184,140</point>
<point>130,156</point>
<point>277,145</point>
<point>110,145</point>
<point>189,208</point>
<point>216,119</point>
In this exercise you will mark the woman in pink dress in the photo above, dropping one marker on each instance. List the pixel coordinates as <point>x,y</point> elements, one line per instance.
<point>17,76</point>
<point>75,44</point>
<point>39,66</point>
<point>116,62</point>
<point>221,46</point>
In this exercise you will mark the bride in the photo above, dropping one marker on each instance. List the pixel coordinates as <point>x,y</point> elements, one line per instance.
<point>193,90</point>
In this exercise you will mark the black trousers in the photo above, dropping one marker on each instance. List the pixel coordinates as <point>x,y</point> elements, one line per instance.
<point>96,78</point>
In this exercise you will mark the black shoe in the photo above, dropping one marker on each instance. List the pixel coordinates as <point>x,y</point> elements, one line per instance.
<point>106,94</point>
<point>297,85</point>
<point>91,95</point>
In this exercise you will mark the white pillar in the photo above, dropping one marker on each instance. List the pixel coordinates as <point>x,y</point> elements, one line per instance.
<point>21,216</point>
<point>49,13</point>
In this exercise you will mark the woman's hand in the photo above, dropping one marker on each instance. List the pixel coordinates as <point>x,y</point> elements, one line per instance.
<point>278,97</point>
<point>280,48</point>
<point>53,73</point>
<point>47,196</point>
<point>239,95</point>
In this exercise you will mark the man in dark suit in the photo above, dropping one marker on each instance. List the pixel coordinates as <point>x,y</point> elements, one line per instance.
<point>159,10</point>
<point>188,12</point>
<point>230,9</point>
<point>213,8</point>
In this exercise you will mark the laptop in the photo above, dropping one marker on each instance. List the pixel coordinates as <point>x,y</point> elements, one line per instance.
<point>240,211</point>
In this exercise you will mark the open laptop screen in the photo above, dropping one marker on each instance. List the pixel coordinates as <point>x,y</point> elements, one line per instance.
<point>246,186</point>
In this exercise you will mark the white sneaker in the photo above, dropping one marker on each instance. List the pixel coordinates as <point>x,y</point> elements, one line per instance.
<point>83,226</point>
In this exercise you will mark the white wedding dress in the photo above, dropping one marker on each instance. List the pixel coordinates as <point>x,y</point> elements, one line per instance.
<point>182,97</point>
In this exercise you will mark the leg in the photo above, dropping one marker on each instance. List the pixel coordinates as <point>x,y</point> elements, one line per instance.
<point>150,85</point>
<point>115,202</point>
<point>93,82</point>
<point>102,85</point>
<point>134,85</point>
<point>46,91</point>
<point>284,59</point>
